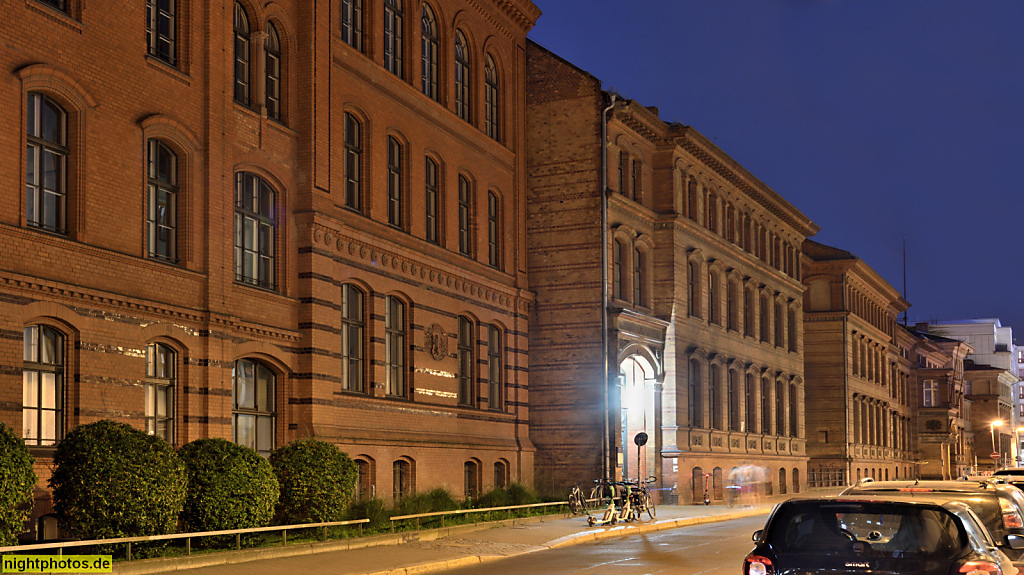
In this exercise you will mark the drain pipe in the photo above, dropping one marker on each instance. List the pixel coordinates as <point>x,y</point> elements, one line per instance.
<point>606,449</point>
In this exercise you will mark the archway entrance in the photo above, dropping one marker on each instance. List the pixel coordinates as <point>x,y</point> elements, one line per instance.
<point>638,417</point>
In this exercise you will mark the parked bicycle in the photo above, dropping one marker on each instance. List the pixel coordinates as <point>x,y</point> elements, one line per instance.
<point>577,501</point>
<point>642,501</point>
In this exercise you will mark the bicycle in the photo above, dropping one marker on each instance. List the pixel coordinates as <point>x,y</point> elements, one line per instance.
<point>577,502</point>
<point>642,498</point>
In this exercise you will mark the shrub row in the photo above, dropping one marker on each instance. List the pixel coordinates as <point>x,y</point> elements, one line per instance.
<point>112,480</point>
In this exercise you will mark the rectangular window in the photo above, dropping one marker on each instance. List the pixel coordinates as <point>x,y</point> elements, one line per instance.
<point>46,158</point>
<point>394,183</point>
<point>352,338</point>
<point>393,37</point>
<point>254,231</point>
<point>162,198</point>
<point>42,386</point>
<point>160,36</point>
<point>430,185</point>
<point>494,386</point>
<point>353,157</point>
<point>394,345</point>
<point>465,355</point>
<point>159,388</point>
<point>493,234</point>
<point>930,393</point>
<point>464,198</point>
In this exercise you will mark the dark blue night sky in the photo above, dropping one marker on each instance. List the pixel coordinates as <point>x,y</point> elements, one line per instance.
<point>879,119</point>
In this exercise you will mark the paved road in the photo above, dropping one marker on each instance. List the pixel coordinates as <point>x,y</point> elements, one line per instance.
<point>712,549</point>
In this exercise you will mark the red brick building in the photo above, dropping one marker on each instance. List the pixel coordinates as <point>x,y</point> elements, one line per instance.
<point>267,221</point>
<point>693,272</point>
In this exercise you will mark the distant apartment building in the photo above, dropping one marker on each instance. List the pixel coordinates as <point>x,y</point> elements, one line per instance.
<point>990,393</point>
<point>669,298</point>
<point>270,221</point>
<point>857,371</point>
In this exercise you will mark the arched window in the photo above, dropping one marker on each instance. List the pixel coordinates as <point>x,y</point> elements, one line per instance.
<point>624,172</point>
<point>639,278</point>
<point>272,49</point>
<point>748,312</point>
<point>402,479</point>
<point>394,345</point>
<point>353,163</point>
<point>491,102</point>
<point>735,397</point>
<point>766,407</point>
<point>364,487</point>
<point>637,179</point>
<point>159,386</point>
<point>393,37</point>
<point>46,159</point>
<point>493,230</point>
<point>42,408</point>
<point>501,474</point>
<point>429,49</point>
<point>254,230</point>
<point>241,55</point>
<point>466,361</point>
<point>792,411</point>
<point>695,402</point>
<point>431,208</point>
<point>465,243</point>
<point>494,369</point>
<point>462,79</point>
<point>782,481</point>
<point>352,338</point>
<point>751,404</point>
<point>713,314</point>
<point>732,306</point>
<point>780,336</point>
<point>160,30</point>
<point>352,23</point>
<point>472,473</point>
<point>395,215</point>
<point>618,253</point>
<point>253,414</point>
<point>693,289</point>
<point>780,409</point>
<point>162,200</point>
<point>792,328</point>
<point>715,397</point>
<point>765,317</point>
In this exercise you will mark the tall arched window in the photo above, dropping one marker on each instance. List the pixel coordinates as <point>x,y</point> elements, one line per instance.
<point>395,208</point>
<point>241,55</point>
<point>353,163</point>
<point>160,30</point>
<point>402,479</point>
<point>766,407</point>
<point>393,37</point>
<point>272,49</point>
<point>792,328</point>
<point>748,312</point>
<point>491,102</point>
<point>353,341</point>
<point>751,403</point>
<point>493,230</point>
<point>430,185</point>
<point>462,79</point>
<point>42,408</point>
<point>159,386</point>
<point>618,253</point>
<point>501,474</point>
<point>429,49</point>
<point>792,411</point>
<point>780,335</point>
<point>693,289</point>
<point>732,306</point>
<point>715,397</point>
<point>472,472</point>
<point>780,409</point>
<point>639,279</point>
<point>713,315</point>
<point>46,159</point>
<point>696,405</point>
<point>254,230</point>
<point>352,23</point>
<point>253,412</point>
<point>465,195</point>
<point>364,487</point>
<point>162,202</point>
<point>765,317</point>
<point>466,342</point>
<point>735,397</point>
<point>394,346</point>
<point>495,388</point>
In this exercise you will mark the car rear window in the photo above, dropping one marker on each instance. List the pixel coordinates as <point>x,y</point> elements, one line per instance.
<point>891,529</point>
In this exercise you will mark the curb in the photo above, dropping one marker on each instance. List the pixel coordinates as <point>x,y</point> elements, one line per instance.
<point>597,534</point>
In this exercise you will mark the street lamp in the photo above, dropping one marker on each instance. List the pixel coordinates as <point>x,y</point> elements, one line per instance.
<point>995,452</point>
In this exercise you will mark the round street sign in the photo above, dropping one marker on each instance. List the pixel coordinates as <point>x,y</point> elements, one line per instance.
<point>995,456</point>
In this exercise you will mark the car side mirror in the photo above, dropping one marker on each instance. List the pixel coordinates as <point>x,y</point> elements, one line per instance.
<point>757,537</point>
<point>1015,541</point>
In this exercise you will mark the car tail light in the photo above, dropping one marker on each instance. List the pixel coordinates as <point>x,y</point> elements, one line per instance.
<point>1011,519</point>
<point>980,568</point>
<point>757,565</point>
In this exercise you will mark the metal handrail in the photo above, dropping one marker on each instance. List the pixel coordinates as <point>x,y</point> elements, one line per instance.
<point>442,514</point>
<point>187,537</point>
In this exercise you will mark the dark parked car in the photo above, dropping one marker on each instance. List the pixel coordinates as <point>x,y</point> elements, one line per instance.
<point>890,535</point>
<point>999,505</point>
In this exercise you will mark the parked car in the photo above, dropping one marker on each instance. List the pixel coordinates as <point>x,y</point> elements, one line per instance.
<point>1012,475</point>
<point>883,535</point>
<point>999,505</point>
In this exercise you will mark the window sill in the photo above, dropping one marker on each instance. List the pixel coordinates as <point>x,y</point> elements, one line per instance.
<point>45,451</point>
<point>63,18</point>
<point>171,70</point>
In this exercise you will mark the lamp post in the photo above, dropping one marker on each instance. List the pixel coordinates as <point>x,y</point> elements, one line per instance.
<point>995,452</point>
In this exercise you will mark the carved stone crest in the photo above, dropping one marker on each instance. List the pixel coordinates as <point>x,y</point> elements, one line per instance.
<point>436,342</point>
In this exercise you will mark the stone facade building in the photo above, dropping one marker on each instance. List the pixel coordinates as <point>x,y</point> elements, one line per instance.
<point>857,371</point>
<point>695,279</point>
<point>269,221</point>
<point>989,391</point>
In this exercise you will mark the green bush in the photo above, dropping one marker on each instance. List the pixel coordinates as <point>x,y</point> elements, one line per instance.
<point>16,483</point>
<point>519,494</point>
<point>439,499</point>
<point>375,511</point>
<point>493,498</point>
<point>229,486</point>
<point>317,480</point>
<point>112,480</point>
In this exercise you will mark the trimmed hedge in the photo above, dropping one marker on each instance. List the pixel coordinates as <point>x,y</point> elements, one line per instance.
<point>317,481</point>
<point>16,483</point>
<point>229,486</point>
<point>112,480</point>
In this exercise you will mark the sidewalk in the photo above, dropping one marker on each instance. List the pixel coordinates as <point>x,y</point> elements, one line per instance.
<point>433,550</point>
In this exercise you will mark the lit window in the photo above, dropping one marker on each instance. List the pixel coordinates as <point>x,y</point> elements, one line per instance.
<point>253,412</point>
<point>930,393</point>
<point>160,378</point>
<point>42,386</point>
